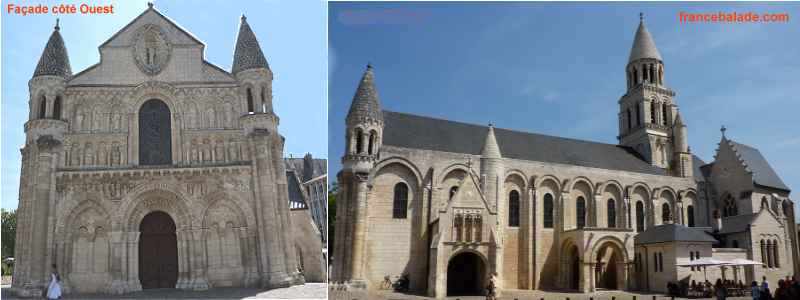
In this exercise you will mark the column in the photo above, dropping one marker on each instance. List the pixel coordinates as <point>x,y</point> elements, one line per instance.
<point>133,261</point>
<point>359,234</point>
<point>197,258</point>
<point>119,253</point>
<point>184,265</point>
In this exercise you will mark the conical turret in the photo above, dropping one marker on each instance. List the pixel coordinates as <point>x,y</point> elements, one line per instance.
<point>490,148</point>
<point>643,44</point>
<point>54,60</point>
<point>248,54</point>
<point>366,104</point>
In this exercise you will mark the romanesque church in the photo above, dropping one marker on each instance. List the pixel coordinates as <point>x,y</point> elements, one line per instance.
<point>450,204</point>
<point>155,168</point>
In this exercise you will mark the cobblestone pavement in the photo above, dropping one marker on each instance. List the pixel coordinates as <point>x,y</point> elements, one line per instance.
<point>307,291</point>
<point>509,295</point>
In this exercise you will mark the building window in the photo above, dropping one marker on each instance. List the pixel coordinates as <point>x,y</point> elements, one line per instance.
<point>665,213</point>
<point>776,257</point>
<point>263,100</point>
<point>729,209</point>
<point>691,258</point>
<point>764,202</point>
<point>664,113</point>
<point>690,215</point>
<point>57,108</point>
<point>513,209</point>
<point>660,262</point>
<point>359,141</point>
<point>653,112</point>
<point>42,108</point>
<point>763,253</point>
<point>371,142</point>
<point>655,262</point>
<point>459,225</point>
<point>629,118</point>
<point>548,211</point>
<point>639,216</point>
<point>735,244</point>
<point>580,212</point>
<point>250,106</point>
<point>478,228</point>
<point>155,133</point>
<point>612,213</point>
<point>453,191</point>
<point>400,203</point>
<point>638,114</point>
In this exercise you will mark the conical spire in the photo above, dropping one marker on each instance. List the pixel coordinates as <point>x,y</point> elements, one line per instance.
<point>54,60</point>
<point>490,148</point>
<point>248,53</point>
<point>643,44</point>
<point>679,120</point>
<point>366,103</point>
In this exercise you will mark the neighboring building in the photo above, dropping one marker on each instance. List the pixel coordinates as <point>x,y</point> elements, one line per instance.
<point>311,244</point>
<point>154,168</point>
<point>450,203</point>
<point>312,175</point>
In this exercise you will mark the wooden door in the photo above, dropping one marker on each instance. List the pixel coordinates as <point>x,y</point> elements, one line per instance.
<point>158,252</point>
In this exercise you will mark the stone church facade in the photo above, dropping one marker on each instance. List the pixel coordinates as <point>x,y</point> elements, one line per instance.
<point>155,169</point>
<point>449,204</point>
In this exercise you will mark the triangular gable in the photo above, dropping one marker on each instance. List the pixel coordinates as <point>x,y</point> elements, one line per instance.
<point>469,195</point>
<point>175,33</point>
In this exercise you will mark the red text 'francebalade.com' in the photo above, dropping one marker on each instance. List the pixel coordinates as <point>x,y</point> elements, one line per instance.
<point>733,17</point>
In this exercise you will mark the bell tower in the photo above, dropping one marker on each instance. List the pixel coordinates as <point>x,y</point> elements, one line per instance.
<point>647,110</point>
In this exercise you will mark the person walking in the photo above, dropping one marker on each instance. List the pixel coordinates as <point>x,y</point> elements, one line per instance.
<point>765,294</point>
<point>54,289</point>
<point>755,291</point>
<point>719,290</point>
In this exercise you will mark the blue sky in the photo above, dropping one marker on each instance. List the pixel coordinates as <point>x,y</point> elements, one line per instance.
<point>558,69</point>
<point>292,35</point>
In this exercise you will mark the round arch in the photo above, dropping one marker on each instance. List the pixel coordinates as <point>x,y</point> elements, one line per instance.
<point>146,200</point>
<point>467,273</point>
<point>166,94</point>
<point>396,160</point>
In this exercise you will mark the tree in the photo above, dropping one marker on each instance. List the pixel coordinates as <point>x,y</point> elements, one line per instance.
<point>9,232</point>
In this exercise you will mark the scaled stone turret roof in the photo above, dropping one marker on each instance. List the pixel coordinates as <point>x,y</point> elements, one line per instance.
<point>54,60</point>
<point>643,45</point>
<point>248,53</point>
<point>366,103</point>
<point>490,148</point>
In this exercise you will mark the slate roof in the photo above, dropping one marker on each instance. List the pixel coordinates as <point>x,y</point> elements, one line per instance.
<point>248,53</point>
<point>763,174</point>
<point>672,233</point>
<point>318,167</point>
<point>698,173</point>
<point>54,60</point>
<point>417,132</point>
<point>737,223</point>
<point>295,190</point>
<point>643,45</point>
<point>366,103</point>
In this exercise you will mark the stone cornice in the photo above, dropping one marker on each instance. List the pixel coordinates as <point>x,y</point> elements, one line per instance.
<point>242,167</point>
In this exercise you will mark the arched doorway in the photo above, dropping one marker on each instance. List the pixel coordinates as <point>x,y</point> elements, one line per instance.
<point>609,261</point>
<point>466,275</point>
<point>155,133</point>
<point>574,268</point>
<point>158,251</point>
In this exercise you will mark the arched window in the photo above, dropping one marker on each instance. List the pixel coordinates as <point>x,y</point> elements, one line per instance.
<point>730,208</point>
<point>478,228</point>
<point>664,118</point>
<point>653,112</point>
<point>645,72</point>
<point>638,115</point>
<point>635,76</point>
<point>764,202</point>
<point>639,216</point>
<point>263,100</point>
<point>629,119</point>
<point>580,212</point>
<point>548,211</point>
<point>400,203</point>
<point>513,209</point>
<point>769,254</point>
<point>612,213</point>
<point>652,74</point>
<point>763,253</point>
<point>371,149</point>
<point>42,108</point>
<point>690,215</point>
<point>775,255</point>
<point>665,213</point>
<point>359,141</point>
<point>661,75</point>
<point>250,108</point>
<point>155,133</point>
<point>785,208</point>
<point>453,191</point>
<point>57,108</point>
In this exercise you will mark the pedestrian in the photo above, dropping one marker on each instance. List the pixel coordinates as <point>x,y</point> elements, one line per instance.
<point>782,292</point>
<point>765,294</point>
<point>755,291</point>
<point>54,289</point>
<point>490,290</point>
<point>719,290</point>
